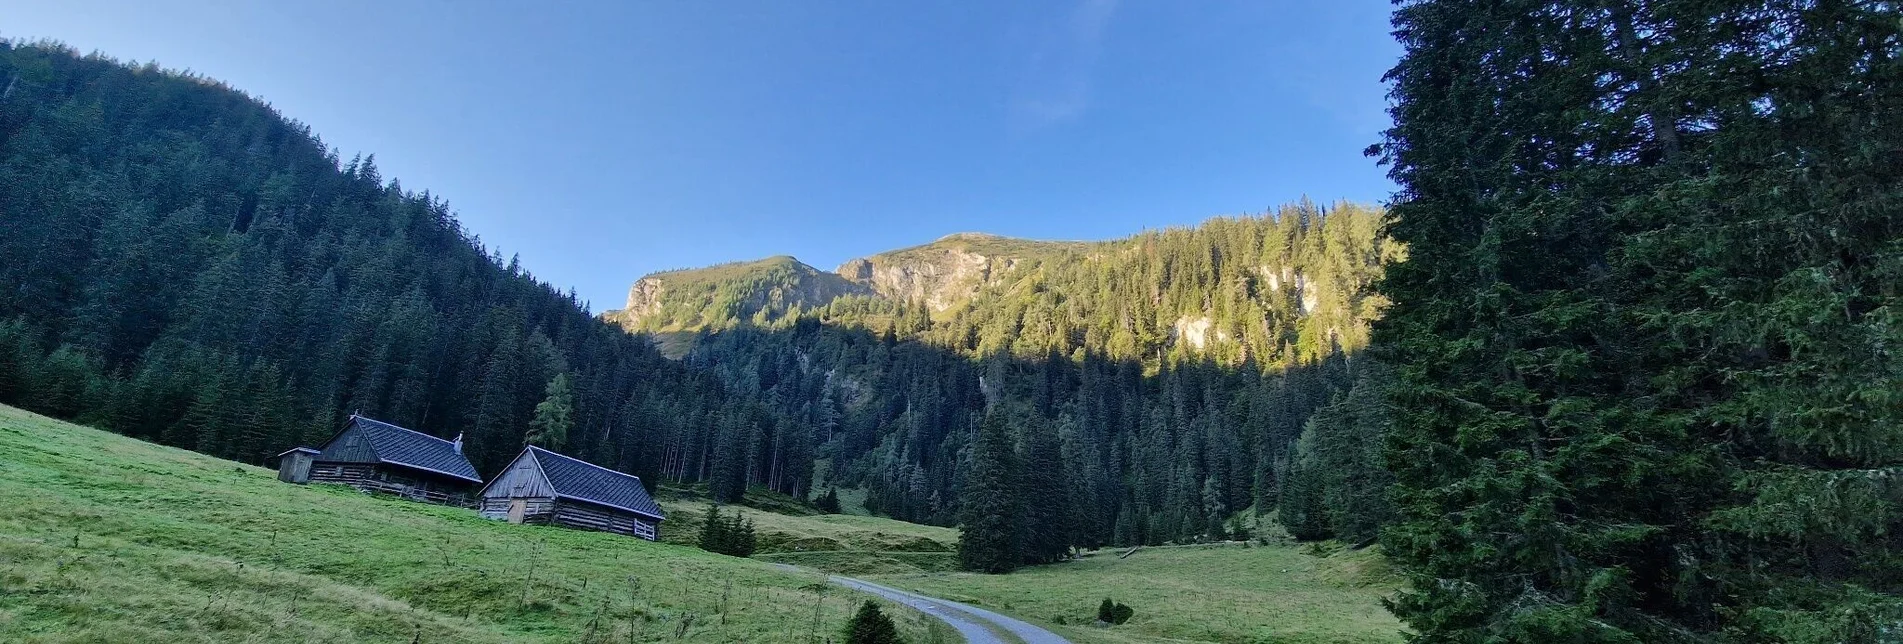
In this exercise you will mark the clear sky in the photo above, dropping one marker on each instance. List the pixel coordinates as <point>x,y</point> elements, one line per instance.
<point>602,141</point>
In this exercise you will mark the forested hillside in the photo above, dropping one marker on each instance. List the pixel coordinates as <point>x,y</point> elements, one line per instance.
<point>190,267</point>
<point>1141,390</point>
<point>185,265</point>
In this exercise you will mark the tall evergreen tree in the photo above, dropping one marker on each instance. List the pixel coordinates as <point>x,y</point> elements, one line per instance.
<point>1641,335</point>
<point>1303,511</point>
<point>991,515</point>
<point>554,416</point>
<point>713,530</point>
<point>1049,517</point>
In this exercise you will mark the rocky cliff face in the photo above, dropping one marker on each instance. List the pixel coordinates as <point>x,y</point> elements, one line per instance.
<point>644,299</point>
<point>949,271</point>
<point>939,274</point>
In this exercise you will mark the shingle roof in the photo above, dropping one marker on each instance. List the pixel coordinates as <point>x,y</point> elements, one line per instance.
<point>411,448</point>
<point>584,481</point>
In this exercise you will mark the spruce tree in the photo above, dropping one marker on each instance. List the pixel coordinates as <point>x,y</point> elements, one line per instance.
<point>871,626</point>
<point>1302,511</point>
<point>1125,531</point>
<point>991,516</point>
<point>64,380</point>
<point>1348,440</point>
<point>1049,518</point>
<point>741,539</point>
<point>1640,337</point>
<point>554,416</point>
<point>19,361</point>
<point>714,535</point>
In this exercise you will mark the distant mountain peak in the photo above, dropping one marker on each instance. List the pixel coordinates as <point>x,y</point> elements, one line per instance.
<point>971,236</point>
<point>727,294</point>
<point>719,270</point>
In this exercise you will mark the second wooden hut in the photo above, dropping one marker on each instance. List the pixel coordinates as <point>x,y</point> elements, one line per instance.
<point>543,487</point>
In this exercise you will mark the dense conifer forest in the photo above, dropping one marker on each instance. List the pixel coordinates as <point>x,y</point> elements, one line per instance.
<point>185,265</point>
<point>1120,429</point>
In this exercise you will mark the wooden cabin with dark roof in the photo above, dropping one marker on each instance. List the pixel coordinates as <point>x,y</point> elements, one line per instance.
<point>545,488</point>
<point>375,456</point>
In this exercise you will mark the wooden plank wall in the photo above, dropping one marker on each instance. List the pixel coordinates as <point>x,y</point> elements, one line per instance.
<point>537,512</point>
<point>345,473</point>
<point>366,478</point>
<point>521,479</point>
<point>590,517</point>
<point>351,446</point>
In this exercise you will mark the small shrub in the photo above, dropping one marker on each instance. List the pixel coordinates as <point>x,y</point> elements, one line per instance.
<point>829,502</point>
<point>727,535</point>
<point>1110,612</point>
<point>871,626</point>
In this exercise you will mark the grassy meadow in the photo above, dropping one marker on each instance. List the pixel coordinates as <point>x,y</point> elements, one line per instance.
<point>782,525</point>
<point>1281,594</point>
<point>108,539</point>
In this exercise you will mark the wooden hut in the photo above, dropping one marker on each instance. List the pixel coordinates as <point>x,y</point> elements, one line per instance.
<point>294,464</point>
<point>375,456</point>
<point>543,487</point>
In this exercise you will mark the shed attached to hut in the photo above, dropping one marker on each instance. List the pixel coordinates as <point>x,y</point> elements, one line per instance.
<point>543,487</point>
<point>294,464</point>
<point>375,456</point>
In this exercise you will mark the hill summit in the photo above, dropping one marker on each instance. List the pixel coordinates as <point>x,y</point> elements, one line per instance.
<point>1257,288</point>
<point>942,274</point>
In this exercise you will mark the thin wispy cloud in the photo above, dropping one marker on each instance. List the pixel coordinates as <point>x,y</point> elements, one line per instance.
<point>1056,83</point>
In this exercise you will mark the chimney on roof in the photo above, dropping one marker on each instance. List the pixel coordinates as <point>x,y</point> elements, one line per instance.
<point>458,443</point>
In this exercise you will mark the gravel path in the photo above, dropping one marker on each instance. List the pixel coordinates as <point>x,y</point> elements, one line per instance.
<point>979,626</point>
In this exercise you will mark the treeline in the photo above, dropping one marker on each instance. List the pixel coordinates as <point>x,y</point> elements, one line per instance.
<point>185,265</point>
<point>1647,337</point>
<point>1148,437</point>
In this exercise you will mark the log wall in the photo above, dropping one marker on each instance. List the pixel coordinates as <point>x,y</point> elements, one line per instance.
<point>377,479</point>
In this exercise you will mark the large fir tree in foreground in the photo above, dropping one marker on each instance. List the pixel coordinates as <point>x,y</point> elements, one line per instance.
<point>1647,334</point>
<point>992,531</point>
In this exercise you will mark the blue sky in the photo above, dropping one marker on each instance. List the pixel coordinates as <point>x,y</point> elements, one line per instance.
<point>603,141</point>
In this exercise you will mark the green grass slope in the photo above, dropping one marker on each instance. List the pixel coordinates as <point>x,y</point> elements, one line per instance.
<point>108,539</point>
<point>1281,594</point>
<point>794,534</point>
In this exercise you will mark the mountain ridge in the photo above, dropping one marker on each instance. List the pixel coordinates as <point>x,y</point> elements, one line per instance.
<point>947,277</point>
<point>942,273</point>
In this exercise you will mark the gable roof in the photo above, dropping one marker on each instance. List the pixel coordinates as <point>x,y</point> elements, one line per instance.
<point>590,483</point>
<point>411,448</point>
